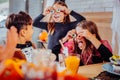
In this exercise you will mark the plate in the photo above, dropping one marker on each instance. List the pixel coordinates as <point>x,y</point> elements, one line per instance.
<point>109,68</point>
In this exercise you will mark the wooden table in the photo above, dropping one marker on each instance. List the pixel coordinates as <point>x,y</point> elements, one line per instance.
<point>90,71</point>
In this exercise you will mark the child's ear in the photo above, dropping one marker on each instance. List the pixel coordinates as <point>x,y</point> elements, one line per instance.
<point>23,33</point>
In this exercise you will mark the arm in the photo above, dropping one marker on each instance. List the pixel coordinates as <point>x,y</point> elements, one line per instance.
<point>8,51</point>
<point>38,24</point>
<point>77,16</point>
<point>105,52</point>
<point>43,25</point>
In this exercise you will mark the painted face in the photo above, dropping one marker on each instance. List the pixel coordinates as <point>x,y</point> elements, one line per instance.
<point>58,14</point>
<point>80,39</point>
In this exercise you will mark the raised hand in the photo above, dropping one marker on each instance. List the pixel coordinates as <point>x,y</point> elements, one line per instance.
<point>12,37</point>
<point>85,33</point>
<point>48,10</point>
<point>71,33</point>
<point>66,10</point>
<point>89,36</point>
<point>11,42</point>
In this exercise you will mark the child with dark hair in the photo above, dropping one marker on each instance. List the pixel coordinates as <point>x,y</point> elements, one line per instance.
<point>23,23</point>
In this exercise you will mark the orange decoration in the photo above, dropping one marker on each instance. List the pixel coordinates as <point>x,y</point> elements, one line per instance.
<point>43,36</point>
<point>12,70</point>
<point>67,76</point>
<point>75,77</point>
<point>10,73</point>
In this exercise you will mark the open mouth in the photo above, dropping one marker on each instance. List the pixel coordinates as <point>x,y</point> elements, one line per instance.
<point>56,16</point>
<point>80,44</point>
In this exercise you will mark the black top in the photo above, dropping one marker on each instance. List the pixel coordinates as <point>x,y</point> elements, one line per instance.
<point>104,52</point>
<point>22,46</point>
<point>61,29</point>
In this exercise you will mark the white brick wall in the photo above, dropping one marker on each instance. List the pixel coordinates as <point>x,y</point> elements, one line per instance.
<point>90,5</point>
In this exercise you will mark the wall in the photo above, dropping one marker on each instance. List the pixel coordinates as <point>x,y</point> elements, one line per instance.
<point>90,5</point>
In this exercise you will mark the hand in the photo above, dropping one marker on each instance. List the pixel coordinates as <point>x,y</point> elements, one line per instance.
<point>91,37</point>
<point>85,33</point>
<point>12,37</point>
<point>66,10</point>
<point>48,10</point>
<point>8,50</point>
<point>71,33</point>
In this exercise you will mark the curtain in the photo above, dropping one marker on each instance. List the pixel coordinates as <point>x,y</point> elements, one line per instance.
<point>116,25</point>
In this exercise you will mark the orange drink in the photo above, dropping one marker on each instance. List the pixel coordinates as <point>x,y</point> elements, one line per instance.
<point>72,64</point>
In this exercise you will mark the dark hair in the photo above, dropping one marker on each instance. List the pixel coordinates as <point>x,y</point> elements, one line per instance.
<point>60,0</point>
<point>18,20</point>
<point>66,18</point>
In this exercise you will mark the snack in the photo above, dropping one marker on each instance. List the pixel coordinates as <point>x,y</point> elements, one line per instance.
<point>115,60</point>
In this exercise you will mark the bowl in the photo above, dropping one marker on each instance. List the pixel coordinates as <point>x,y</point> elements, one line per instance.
<point>115,59</point>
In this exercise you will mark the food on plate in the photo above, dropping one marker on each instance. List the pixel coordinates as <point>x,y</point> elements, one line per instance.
<point>115,60</point>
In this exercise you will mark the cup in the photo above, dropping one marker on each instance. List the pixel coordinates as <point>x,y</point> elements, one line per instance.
<point>72,63</point>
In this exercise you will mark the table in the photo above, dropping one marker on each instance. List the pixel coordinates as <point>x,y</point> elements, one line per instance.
<point>90,70</point>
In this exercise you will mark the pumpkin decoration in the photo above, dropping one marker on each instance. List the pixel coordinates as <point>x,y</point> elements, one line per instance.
<point>43,36</point>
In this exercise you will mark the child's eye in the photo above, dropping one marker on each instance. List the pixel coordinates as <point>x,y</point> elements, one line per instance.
<point>58,10</point>
<point>52,11</point>
<point>74,35</point>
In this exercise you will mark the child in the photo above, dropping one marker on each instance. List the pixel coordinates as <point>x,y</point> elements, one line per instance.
<point>23,23</point>
<point>58,25</point>
<point>90,46</point>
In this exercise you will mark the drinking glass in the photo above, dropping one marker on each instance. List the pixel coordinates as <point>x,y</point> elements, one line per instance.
<point>72,63</point>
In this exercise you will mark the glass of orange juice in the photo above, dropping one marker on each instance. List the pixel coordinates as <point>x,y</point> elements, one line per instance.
<point>72,63</point>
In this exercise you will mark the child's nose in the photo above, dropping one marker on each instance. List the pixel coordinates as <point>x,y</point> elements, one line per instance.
<point>79,36</point>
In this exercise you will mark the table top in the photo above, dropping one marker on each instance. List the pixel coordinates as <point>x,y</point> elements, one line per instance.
<point>90,70</point>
